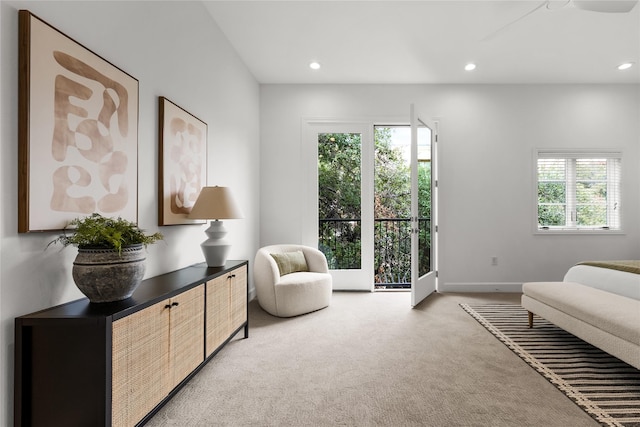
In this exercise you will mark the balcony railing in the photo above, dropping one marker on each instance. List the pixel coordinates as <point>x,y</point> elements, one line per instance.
<point>339,239</point>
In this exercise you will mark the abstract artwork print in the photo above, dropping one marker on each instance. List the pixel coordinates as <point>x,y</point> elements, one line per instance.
<point>78,131</point>
<point>183,163</point>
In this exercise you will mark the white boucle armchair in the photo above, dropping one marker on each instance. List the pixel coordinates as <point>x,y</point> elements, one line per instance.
<point>294,293</point>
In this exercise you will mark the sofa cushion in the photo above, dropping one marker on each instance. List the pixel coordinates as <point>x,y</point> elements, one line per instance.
<point>613,313</point>
<point>290,262</point>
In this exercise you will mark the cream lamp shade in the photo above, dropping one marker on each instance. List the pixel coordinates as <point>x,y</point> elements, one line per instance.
<point>215,203</point>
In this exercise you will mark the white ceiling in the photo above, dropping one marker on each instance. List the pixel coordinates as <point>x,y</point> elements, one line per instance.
<point>430,41</point>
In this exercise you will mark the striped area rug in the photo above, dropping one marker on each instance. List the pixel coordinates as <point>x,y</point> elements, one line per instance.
<point>602,385</point>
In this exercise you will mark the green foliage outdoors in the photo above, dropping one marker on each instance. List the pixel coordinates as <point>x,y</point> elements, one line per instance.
<point>339,186</point>
<point>339,160</point>
<point>339,175</point>
<point>590,193</point>
<point>96,231</point>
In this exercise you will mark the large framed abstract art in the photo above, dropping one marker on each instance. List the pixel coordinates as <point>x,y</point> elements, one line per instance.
<point>182,163</point>
<point>77,131</point>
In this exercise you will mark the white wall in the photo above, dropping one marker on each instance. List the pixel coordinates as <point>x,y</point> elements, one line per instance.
<point>175,50</point>
<point>487,137</point>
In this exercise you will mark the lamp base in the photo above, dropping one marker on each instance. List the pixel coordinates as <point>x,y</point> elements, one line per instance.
<point>215,248</point>
<point>216,256</point>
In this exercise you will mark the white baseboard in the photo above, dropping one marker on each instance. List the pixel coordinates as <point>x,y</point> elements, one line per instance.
<point>481,287</point>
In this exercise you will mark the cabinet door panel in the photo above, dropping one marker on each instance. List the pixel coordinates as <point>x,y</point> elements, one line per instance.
<point>140,357</point>
<point>218,329</point>
<point>238,297</point>
<point>187,333</point>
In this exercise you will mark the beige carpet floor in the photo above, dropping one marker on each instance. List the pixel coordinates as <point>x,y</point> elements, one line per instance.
<point>370,359</point>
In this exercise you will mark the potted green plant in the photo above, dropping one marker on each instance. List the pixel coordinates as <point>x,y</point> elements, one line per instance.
<point>111,259</point>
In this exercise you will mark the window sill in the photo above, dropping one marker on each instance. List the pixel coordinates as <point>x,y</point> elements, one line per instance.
<point>583,231</point>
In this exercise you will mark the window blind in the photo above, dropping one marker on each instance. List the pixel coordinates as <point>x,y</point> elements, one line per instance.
<point>578,190</point>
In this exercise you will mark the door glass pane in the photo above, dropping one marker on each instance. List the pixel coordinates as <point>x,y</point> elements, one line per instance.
<point>339,199</point>
<point>424,200</point>
<point>392,207</point>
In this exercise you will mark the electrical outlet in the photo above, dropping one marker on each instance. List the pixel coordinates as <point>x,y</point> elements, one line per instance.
<point>494,260</point>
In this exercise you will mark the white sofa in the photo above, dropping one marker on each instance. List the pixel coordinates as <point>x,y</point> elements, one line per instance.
<point>606,316</point>
<point>295,293</point>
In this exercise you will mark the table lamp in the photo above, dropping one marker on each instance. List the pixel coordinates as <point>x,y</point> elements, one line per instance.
<point>215,203</point>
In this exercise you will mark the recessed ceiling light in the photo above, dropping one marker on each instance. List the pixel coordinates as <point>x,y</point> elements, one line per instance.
<point>625,66</point>
<point>470,67</point>
<point>314,65</point>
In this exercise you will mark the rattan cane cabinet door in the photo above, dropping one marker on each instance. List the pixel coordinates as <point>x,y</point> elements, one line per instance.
<point>140,363</point>
<point>218,329</point>
<point>186,333</point>
<point>238,283</point>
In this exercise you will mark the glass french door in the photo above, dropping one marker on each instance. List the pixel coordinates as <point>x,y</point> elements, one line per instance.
<point>423,212</point>
<point>339,215</point>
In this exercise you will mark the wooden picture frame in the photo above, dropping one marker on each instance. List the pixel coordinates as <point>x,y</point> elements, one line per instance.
<point>182,163</point>
<point>77,131</point>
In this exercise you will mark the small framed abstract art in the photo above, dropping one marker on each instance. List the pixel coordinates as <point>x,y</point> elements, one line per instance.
<point>183,163</point>
<point>77,131</point>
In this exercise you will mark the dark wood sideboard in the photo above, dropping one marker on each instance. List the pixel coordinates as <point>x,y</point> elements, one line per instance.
<point>117,364</point>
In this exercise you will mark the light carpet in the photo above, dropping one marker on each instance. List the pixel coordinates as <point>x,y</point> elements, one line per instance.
<point>369,359</point>
<point>602,385</point>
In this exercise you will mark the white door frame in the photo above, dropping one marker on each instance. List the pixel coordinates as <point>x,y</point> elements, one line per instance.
<point>361,279</point>
<point>423,286</point>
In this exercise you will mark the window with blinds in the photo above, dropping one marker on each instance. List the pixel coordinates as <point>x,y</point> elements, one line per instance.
<point>578,190</point>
